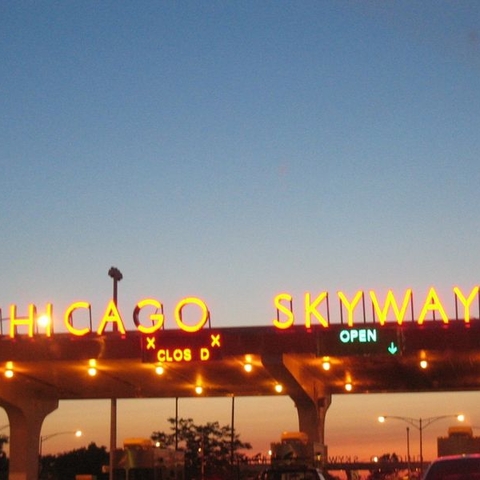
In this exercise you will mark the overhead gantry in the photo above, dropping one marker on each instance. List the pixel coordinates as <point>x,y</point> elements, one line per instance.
<point>47,370</point>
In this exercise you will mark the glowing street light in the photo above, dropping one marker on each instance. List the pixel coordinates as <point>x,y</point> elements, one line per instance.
<point>44,438</point>
<point>420,424</point>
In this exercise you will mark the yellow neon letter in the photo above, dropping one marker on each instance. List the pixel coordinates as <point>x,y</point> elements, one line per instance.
<point>111,315</point>
<point>390,302</point>
<point>178,314</point>
<point>156,318</point>
<point>28,321</point>
<point>311,309</point>
<point>432,302</point>
<point>350,306</point>
<point>466,302</point>
<point>286,310</point>
<point>68,318</point>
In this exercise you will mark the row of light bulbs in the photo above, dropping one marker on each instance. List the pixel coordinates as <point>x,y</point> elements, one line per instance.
<point>248,367</point>
<point>326,365</point>
<point>92,368</point>
<point>160,370</point>
<point>278,387</point>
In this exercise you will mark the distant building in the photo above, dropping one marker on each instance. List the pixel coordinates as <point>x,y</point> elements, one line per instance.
<point>139,458</point>
<point>459,440</point>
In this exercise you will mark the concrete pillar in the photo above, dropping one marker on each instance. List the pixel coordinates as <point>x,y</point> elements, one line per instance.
<point>26,418</point>
<point>309,397</point>
<point>311,417</point>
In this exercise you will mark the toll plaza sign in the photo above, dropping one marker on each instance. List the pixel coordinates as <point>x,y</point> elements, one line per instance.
<point>367,339</point>
<point>173,346</point>
<point>385,309</point>
<point>192,315</point>
<point>178,347</point>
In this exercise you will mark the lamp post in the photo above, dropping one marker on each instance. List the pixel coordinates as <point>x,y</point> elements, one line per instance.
<point>116,276</point>
<point>44,438</point>
<point>408,452</point>
<point>421,424</point>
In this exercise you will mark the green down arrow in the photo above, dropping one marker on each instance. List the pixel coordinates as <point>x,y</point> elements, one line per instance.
<point>392,348</point>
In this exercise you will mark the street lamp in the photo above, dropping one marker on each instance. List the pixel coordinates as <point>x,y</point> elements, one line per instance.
<point>409,469</point>
<point>420,424</point>
<point>44,438</point>
<point>117,276</point>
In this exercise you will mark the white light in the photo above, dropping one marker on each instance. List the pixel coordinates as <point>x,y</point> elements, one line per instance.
<point>279,388</point>
<point>348,387</point>
<point>198,390</point>
<point>248,367</point>
<point>44,321</point>
<point>423,364</point>
<point>92,367</point>
<point>9,369</point>
<point>159,370</point>
<point>326,363</point>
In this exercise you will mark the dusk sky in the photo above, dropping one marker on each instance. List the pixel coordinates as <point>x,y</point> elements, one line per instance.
<point>232,151</point>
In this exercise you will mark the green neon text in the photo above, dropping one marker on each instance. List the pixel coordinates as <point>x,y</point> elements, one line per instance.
<point>363,335</point>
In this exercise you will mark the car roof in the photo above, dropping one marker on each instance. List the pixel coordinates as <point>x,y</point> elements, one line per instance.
<point>456,457</point>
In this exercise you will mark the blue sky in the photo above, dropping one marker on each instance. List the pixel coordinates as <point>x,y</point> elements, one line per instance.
<point>233,150</point>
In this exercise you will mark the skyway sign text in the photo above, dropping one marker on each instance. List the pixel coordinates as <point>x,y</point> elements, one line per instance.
<point>191,314</point>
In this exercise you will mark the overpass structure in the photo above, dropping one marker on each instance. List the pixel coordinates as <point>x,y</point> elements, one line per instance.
<point>310,364</point>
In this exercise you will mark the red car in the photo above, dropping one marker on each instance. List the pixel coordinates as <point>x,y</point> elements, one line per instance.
<point>454,467</point>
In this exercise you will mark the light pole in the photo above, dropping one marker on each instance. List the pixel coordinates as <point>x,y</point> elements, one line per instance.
<point>408,452</point>
<point>117,276</point>
<point>420,424</point>
<point>44,438</point>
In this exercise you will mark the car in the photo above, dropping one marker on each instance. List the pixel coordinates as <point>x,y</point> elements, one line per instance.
<point>454,467</point>
<point>291,473</point>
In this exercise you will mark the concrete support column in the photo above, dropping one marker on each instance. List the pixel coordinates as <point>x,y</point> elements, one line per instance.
<point>26,419</point>
<point>311,417</point>
<point>309,397</point>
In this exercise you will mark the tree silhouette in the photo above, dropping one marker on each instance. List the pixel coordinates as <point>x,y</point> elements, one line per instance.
<point>67,465</point>
<point>209,449</point>
<point>387,465</point>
